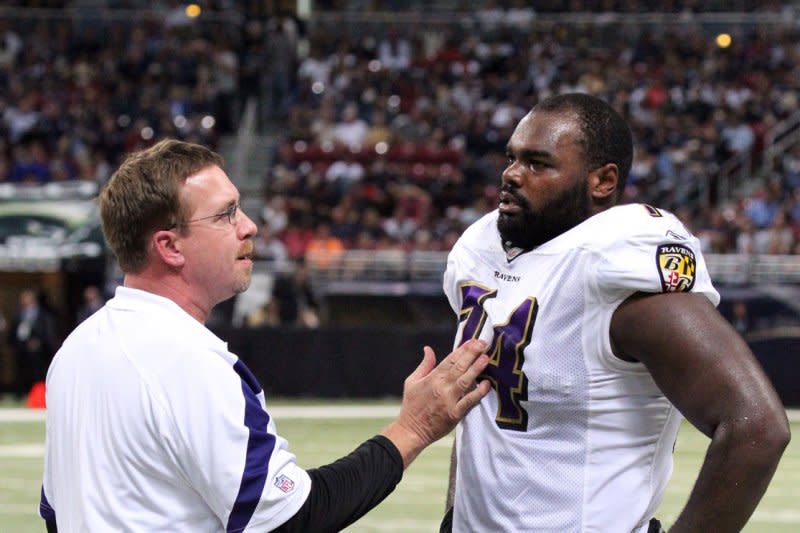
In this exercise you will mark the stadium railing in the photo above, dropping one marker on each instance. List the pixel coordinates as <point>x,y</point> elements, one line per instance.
<point>365,268</point>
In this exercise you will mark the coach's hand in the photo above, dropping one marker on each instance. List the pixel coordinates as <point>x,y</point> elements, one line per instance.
<point>435,398</point>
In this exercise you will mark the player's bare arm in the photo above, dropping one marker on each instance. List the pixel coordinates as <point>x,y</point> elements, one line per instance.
<point>709,373</point>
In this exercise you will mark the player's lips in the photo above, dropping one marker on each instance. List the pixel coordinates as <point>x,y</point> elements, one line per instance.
<point>508,203</point>
<point>246,254</point>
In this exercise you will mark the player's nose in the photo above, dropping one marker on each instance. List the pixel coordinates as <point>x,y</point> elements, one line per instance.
<point>247,228</point>
<point>512,174</point>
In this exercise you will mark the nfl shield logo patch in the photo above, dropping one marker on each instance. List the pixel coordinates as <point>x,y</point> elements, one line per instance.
<point>676,266</point>
<point>284,483</point>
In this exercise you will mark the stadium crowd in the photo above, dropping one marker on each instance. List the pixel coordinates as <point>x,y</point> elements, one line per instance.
<point>77,94</point>
<point>397,139</point>
<point>392,137</point>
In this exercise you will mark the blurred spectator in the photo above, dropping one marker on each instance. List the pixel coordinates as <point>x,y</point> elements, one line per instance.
<point>790,167</point>
<point>714,231</point>
<point>268,247</point>
<point>746,237</point>
<point>31,165</point>
<point>21,115</point>
<point>275,212</point>
<point>394,51</point>
<point>315,68</point>
<point>763,204</point>
<point>378,130</point>
<point>345,171</point>
<point>10,45</point>
<point>254,55</point>
<point>226,83</point>
<point>33,341</point>
<point>323,125</point>
<point>351,130</point>
<point>296,303</point>
<point>741,317</point>
<point>281,45</point>
<point>267,315</point>
<point>92,301</point>
<point>738,136</point>
<point>323,249</point>
<point>778,238</point>
<point>298,234</point>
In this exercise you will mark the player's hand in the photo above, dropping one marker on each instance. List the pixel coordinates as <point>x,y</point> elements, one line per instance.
<point>435,397</point>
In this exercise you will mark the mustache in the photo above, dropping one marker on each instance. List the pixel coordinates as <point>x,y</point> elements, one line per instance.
<point>247,249</point>
<point>513,192</point>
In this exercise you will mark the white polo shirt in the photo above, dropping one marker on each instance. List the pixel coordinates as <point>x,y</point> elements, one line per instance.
<point>153,425</point>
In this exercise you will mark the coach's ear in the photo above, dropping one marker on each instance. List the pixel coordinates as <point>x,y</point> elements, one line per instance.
<point>603,183</point>
<point>166,246</point>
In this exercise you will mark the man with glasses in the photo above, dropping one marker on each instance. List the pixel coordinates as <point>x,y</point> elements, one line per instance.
<point>153,425</point>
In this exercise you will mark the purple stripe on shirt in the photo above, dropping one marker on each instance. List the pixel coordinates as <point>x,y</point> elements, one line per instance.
<point>247,376</point>
<point>45,510</point>
<point>259,449</point>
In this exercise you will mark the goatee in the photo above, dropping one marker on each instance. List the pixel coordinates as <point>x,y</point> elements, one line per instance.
<point>528,228</point>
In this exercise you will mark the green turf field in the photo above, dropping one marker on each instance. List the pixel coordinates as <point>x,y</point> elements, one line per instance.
<point>415,506</point>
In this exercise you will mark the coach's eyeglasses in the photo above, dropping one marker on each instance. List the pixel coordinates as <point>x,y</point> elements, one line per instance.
<point>229,213</point>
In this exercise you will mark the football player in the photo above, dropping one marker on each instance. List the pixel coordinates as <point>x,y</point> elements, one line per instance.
<point>603,333</point>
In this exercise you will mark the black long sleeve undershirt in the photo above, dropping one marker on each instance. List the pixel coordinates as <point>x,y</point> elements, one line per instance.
<point>343,491</point>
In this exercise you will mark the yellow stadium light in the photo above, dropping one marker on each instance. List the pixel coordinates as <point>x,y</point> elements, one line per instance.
<point>193,10</point>
<point>723,40</point>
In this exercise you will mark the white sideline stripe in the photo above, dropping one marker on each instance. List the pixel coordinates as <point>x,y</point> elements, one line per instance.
<point>35,450</point>
<point>15,484</point>
<point>782,516</point>
<point>18,508</point>
<point>405,524</point>
<point>277,412</point>
<point>22,451</point>
<point>288,411</point>
<point>21,415</point>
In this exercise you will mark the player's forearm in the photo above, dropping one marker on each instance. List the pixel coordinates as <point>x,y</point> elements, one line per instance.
<point>738,467</point>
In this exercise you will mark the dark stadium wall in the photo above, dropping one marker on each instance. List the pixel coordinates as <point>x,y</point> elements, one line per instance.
<point>779,354</point>
<point>349,362</point>
<point>372,362</point>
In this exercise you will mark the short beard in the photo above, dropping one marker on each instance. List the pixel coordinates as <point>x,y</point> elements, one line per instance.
<point>528,228</point>
<point>243,284</point>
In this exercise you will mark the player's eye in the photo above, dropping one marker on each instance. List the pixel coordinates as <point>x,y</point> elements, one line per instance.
<point>230,213</point>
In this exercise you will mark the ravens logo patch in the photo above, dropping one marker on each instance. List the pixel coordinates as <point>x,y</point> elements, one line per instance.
<point>677,266</point>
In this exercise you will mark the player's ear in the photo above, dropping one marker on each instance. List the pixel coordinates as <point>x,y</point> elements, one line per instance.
<point>167,247</point>
<point>603,183</point>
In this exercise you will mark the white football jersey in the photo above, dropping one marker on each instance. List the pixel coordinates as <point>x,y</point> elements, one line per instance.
<point>572,439</point>
<point>153,425</point>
